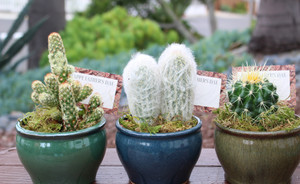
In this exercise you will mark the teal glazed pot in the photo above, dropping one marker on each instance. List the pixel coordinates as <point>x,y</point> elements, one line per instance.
<point>162,158</point>
<point>257,157</point>
<point>69,157</point>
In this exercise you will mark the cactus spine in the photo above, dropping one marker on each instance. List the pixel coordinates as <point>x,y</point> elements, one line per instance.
<point>251,94</point>
<point>142,85</point>
<point>178,72</point>
<point>61,91</point>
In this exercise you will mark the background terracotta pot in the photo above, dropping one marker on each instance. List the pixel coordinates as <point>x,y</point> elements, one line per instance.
<point>257,157</point>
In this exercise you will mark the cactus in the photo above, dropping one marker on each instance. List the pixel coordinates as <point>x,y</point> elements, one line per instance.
<point>95,115</point>
<point>251,94</point>
<point>57,58</point>
<point>178,72</point>
<point>165,88</point>
<point>142,85</point>
<point>61,91</point>
<point>52,83</point>
<point>84,92</point>
<point>95,101</point>
<point>47,99</point>
<point>38,87</point>
<point>76,86</point>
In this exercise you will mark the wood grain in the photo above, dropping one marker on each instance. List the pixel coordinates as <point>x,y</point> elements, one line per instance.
<point>207,170</point>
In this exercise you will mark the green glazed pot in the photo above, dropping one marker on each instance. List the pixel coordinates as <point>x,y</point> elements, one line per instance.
<point>257,157</point>
<point>70,157</point>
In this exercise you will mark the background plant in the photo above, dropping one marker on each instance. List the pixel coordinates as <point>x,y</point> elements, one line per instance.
<point>155,10</point>
<point>7,53</point>
<point>110,33</point>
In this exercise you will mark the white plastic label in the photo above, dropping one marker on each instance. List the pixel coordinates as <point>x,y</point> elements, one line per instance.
<point>208,91</point>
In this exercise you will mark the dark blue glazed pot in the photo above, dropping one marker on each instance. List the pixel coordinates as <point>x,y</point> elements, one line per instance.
<point>164,158</point>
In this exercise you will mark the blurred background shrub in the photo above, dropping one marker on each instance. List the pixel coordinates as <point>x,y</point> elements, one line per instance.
<point>110,33</point>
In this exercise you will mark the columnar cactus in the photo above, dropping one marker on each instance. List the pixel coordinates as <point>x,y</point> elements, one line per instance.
<point>61,91</point>
<point>142,85</point>
<point>68,105</point>
<point>165,88</point>
<point>178,72</point>
<point>251,94</point>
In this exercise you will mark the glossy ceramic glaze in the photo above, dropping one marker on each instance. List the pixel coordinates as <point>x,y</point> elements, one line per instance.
<point>257,157</point>
<point>72,157</point>
<point>166,158</point>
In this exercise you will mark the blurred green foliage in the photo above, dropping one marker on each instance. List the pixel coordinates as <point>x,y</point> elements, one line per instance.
<point>211,54</point>
<point>16,89</point>
<point>10,48</point>
<point>240,7</point>
<point>150,9</point>
<point>143,8</point>
<point>110,33</point>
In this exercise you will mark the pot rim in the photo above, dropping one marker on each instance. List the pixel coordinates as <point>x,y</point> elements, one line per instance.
<point>33,134</point>
<point>258,134</point>
<point>159,135</point>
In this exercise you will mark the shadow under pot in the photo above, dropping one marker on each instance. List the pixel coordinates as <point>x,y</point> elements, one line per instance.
<point>68,157</point>
<point>162,158</point>
<point>257,157</point>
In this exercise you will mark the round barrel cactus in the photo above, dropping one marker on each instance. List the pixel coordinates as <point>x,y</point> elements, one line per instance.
<point>251,94</point>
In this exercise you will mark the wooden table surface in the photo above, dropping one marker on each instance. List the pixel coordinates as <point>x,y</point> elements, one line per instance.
<point>207,170</point>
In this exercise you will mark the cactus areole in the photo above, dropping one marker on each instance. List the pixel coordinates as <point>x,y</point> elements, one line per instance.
<point>62,92</point>
<point>251,93</point>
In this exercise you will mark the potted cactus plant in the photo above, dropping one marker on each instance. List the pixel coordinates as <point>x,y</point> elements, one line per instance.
<point>257,137</point>
<point>61,141</point>
<point>159,142</point>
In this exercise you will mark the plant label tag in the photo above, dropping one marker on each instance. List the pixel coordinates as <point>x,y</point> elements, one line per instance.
<point>210,91</point>
<point>109,86</point>
<point>283,77</point>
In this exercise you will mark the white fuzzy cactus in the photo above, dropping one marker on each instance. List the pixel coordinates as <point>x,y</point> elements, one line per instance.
<point>142,85</point>
<point>178,72</point>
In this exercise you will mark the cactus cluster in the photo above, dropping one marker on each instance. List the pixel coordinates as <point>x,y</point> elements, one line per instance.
<point>251,94</point>
<point>166,87</point>
<point>61,91</point>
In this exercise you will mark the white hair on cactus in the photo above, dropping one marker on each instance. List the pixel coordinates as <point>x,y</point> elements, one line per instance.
<point>142,85</point>
<point>178,72</point>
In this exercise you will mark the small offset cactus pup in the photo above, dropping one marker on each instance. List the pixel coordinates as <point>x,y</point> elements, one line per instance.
<point>162,91</point>
<point>60,95</point>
